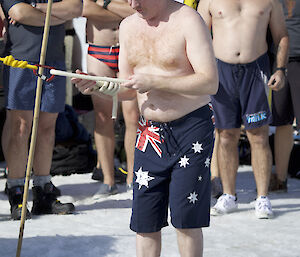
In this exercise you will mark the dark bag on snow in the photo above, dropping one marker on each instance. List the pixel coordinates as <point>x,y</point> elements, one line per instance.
<point>73,151</point>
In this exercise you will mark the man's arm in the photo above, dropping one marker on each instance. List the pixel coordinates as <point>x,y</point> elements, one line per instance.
<point>199,51</point>
<point>26,14</point>
<point>94,11</point>
<point>64,10</point>
<point>203,9</point>
<point>281,41</point>
<point>125,70</point>
<point>120,8</point>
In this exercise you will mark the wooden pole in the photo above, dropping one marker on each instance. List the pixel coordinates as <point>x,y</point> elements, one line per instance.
<point>35,124</point>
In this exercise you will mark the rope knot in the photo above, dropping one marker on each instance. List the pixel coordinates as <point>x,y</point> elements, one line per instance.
<point>10,61</point>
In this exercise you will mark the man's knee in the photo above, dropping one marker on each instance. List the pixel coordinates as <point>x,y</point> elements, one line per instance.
<point>189,232</point>
<point>258,136</point>
<point>229,137</point>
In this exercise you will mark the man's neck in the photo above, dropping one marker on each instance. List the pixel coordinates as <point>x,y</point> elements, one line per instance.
<point>161,14</point>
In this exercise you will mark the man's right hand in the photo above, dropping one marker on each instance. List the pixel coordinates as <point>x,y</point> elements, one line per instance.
<point>85,86</point>
<point>277,80</point>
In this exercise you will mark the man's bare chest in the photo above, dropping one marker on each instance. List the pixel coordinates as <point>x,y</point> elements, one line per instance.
<point>161,49</point>
<point>257,9</point>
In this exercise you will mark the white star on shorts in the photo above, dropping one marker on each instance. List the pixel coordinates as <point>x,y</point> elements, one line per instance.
<point>184,161</point>
<point>193,197</point>
<point>197,147</point>
<point>142,178</point>
<point>200,178</point>
<point>207,162</point>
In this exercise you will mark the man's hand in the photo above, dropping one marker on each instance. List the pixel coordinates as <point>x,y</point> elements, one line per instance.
<point>107,88</point>
<point>99,88</point>
<point>12,21</point>
<point>142,83</point>
<point>85,86</point>
<point>277,80</point>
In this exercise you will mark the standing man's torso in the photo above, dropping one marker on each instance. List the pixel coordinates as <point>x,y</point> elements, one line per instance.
<point>161,50</point>
<point>239,29</point>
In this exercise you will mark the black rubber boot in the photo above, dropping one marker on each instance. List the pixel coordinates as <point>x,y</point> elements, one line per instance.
<point>45,202</point>
<point>15,197</point>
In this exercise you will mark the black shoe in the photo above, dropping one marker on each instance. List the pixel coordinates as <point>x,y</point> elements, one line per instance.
<point>56,191</point>
<point>15,196</point>
<point>97,174</point>
<point>120,175</point>
<point>45,202</point>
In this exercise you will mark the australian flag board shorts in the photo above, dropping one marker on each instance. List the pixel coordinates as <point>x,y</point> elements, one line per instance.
<point>172,168</point>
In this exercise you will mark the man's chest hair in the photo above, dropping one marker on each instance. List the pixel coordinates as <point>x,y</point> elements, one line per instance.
<point>163,49</point>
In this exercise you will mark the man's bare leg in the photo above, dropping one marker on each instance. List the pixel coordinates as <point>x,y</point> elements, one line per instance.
<point>283,146</point>
<point>214,167</point>
<point>44,144</point>
<point>261,158</point>
<point>148,244</point>
<point>216,184</point>
<point>228,158</point>
<point>15,136</point>
<point>104,129</point>
<point>190,242</point>
<point>104,138</point>
<point>131,117</point>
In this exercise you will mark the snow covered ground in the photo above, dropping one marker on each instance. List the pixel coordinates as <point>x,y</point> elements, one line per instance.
<point>101,228</point>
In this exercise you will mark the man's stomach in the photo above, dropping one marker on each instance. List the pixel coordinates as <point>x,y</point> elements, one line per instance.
<point>239,49</point>
<point>102,36</point>
<point>164,106</point>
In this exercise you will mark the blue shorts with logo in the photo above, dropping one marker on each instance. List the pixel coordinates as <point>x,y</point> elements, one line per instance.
<point>242,95</point>
<point>172,168</point>
<point>20,89</point>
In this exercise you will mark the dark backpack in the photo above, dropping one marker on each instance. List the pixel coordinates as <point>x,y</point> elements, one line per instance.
<point>73,151</point>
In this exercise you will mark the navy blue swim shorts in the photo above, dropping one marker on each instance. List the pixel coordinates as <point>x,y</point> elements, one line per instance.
<point>172,168</point>
<point>242,95</point>
<point>20,88</point>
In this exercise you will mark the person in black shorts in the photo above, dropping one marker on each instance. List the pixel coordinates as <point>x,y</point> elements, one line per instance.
<point>286,102</point>
<point>25,32</point>
<point>239,33</point>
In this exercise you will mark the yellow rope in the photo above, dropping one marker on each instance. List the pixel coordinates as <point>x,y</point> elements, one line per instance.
<point>10,61</point>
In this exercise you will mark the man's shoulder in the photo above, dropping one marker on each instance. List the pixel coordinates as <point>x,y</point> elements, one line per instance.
<point>186,13</point>
<point>132,19</point>
<point>187,16</point>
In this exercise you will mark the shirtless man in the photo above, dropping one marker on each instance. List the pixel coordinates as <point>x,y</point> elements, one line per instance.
<point>102,33</point>
<point>239,30</point>
<point>166,54</point>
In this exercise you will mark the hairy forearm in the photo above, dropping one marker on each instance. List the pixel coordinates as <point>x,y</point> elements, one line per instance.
<point>121,9</point>
<point>64,10</point>
<point>97,13</point>
<point>27,15</point>
<point>282,52</point>
<point>194,84</point>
